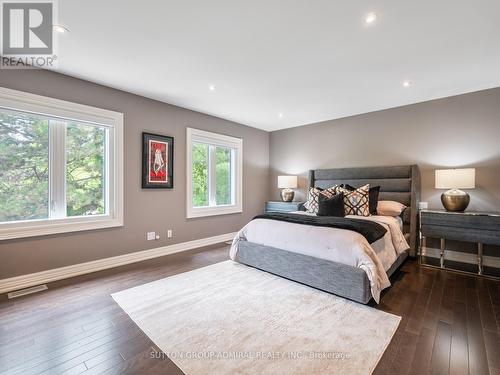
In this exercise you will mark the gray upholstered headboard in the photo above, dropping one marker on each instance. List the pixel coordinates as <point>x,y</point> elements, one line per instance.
<point>401,184</point>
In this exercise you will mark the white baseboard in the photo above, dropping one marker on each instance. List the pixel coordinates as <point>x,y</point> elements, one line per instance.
<point>457,256</point>
<point>43,277</point>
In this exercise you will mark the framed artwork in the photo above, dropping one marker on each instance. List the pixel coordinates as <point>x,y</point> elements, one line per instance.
<point>157,161</point>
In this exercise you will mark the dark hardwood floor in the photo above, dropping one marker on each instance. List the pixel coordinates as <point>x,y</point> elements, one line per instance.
<point>450,323</point>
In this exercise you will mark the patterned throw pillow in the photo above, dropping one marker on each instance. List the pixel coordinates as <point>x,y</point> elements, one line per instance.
<point>372,196</point>
<point>312,204</point>
<point>357,202</point>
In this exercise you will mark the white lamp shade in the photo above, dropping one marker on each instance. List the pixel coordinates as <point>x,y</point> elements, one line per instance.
<point>287,182</point>
<point>456,178</point>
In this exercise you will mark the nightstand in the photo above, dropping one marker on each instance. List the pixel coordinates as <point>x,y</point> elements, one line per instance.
<point>279,206</point>
<point>479,228</point>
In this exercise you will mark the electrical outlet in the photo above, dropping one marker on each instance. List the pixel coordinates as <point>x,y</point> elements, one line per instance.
<point>423,205</point>
<point>170,233</point>
<point>151,236</point>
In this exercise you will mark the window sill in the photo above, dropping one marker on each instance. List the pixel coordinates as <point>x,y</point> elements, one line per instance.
<point>46,227</point>
<point>213,211</point>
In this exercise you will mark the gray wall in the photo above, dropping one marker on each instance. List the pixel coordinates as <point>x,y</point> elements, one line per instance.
<point>460,131</point>
<point>145,210</point>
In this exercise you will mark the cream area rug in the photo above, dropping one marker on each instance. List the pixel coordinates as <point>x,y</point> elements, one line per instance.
<point>228,318</point>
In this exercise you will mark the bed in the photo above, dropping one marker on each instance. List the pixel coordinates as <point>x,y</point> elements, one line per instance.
<point>400,183</point>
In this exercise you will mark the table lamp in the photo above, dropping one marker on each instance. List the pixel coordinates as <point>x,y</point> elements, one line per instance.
<point>455,200</point>
<point>287,183</point>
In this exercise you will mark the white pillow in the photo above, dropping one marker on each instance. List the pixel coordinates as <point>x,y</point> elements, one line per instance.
<point>390,208</point>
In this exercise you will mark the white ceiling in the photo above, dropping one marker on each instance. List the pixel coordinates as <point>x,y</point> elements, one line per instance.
<point>309,60</point>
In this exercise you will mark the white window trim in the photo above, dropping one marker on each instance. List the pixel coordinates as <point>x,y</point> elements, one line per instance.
<point>55,108</point>
<point>196,135</point>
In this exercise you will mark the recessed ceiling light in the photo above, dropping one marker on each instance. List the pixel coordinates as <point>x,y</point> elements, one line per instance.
<point>280,115</point>
<point>406,83</point>
<point>60,29</point>
<point>211,87</point>
<point>370,18</point>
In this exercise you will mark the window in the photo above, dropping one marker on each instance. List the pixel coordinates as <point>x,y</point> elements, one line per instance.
<point>214,175</point>
<point>61,166</point>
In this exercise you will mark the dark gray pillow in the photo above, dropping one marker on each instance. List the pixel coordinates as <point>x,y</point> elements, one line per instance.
<point>333,206</point>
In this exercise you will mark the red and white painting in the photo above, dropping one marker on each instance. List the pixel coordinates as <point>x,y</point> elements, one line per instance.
<point>158,162</point>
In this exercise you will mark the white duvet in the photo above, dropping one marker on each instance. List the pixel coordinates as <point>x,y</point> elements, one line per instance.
<point>337,245</point>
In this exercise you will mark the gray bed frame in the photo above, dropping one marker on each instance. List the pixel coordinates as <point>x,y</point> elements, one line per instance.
<point>401,183</point>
